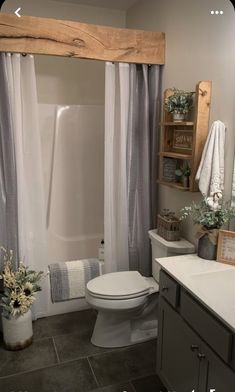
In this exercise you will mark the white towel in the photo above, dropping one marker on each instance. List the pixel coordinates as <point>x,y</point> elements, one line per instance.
<point>210,173</point>
<point>68,279</point>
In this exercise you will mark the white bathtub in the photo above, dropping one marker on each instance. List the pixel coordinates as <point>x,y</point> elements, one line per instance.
<point>72,139</point>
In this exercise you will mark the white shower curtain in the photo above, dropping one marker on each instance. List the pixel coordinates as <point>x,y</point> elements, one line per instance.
<point>8,179</point>
<point>31,231</point>
<point>131,137</point>
<point>115,200</point>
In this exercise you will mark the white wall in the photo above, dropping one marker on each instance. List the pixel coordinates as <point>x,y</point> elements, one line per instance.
<point>67,11</point>
<point>63,80</point>
<point>199,46</point>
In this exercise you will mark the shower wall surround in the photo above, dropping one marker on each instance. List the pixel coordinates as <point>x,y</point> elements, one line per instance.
<point>73,158</point>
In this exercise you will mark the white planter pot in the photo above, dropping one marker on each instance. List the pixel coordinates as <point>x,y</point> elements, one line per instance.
<point>17,331</point>
<point>178,116</point>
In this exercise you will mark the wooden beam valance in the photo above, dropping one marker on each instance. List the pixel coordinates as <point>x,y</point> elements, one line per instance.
<point>73,39</point>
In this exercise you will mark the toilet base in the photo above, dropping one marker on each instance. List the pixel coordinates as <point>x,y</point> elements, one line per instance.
<point>112,330</point>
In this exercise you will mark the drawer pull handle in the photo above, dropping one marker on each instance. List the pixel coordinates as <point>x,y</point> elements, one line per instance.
<point>165,288</point>
<point>194,347</point>
<point>201,356</point>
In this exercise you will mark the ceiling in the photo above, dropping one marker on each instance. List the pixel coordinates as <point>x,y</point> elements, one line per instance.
<point>115,4</point>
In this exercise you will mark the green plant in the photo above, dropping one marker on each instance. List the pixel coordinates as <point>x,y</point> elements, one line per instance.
<point>211,213</point>
<point>179,102</point>
<point>183,170</point>
<point>19,287</point>
<point>187,172</point>
<point>169,215</point>
<point>186,169</point>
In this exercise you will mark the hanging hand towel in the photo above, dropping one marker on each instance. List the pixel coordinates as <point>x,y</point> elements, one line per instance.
<point>210,174</point>
<point>68,279</point>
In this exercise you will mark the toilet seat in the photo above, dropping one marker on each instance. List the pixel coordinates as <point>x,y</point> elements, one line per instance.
<point>119,286</point>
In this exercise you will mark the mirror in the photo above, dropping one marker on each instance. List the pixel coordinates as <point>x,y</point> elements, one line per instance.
<point>232,222</point>
<point>233,186</point>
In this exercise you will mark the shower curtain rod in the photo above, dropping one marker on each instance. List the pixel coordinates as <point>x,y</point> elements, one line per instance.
<point>33,35</point>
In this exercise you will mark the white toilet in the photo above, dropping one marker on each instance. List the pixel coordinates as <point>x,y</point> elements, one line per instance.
<point>127,302</point>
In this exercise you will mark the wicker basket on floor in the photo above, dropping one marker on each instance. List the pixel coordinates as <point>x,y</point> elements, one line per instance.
<point>168,226</point>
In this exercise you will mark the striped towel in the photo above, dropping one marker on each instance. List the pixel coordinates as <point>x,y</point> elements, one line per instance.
<point>68,279</point>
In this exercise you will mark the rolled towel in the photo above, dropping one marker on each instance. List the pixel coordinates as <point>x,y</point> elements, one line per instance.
<point>68,279</point>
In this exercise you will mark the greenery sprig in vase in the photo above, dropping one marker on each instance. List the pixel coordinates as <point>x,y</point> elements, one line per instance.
<point>16,300</point>
<point>183,173</point>
<point>209,216</point>
<point>179,103</point>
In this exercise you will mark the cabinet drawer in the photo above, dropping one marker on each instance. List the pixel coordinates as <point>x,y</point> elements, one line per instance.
<point>169,288</point>
<point>210,329</point>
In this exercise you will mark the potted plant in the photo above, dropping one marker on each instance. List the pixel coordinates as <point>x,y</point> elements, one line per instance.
<point>179,104</point>
<point>186,171</point>
<point>182,174</point>
<point>209,215</point>
<point>16,300</point>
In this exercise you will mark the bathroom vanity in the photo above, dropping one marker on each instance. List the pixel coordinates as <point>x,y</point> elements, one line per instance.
<point>196,336</point>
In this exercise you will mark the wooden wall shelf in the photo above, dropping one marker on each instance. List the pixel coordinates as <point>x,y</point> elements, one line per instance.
<point>194,132</point>
<point>176,155</point>
<point>175,185</point>
<point>178,123</point>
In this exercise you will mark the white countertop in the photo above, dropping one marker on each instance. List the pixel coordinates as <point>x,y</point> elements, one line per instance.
<point>212,283</point>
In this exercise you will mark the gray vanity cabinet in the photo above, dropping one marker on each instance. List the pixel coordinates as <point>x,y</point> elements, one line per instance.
<point>177,362</point>
<point>194,352</point>
<point>217,375</point>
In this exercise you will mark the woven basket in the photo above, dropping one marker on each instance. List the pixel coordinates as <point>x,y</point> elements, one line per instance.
<point>169,229</point>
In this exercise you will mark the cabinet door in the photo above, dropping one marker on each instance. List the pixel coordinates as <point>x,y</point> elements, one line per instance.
<point>219,377</point>
<point>178,346</point>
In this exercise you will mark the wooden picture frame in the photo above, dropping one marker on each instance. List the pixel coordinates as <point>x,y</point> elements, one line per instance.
<point>226,247</point>
<point>182,140</point>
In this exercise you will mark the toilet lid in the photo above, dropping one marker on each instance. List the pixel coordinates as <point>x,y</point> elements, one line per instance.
<point>123,284</point>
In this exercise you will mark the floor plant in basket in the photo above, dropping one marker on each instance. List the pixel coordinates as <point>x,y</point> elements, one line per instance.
<point>16,299</point>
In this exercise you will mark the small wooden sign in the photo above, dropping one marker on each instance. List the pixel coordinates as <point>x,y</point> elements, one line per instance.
<point>226,247</point>
<point>182,140</point>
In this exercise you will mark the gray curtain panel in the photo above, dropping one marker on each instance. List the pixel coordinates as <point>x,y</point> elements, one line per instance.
<point>8,179</point>
<point>142,146</point>
<point>155,94</point>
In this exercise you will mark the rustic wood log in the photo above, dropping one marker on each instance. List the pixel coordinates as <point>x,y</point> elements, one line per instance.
<point>73,39</point>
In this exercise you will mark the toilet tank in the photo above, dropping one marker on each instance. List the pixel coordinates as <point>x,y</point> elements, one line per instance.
<point>163,248</point>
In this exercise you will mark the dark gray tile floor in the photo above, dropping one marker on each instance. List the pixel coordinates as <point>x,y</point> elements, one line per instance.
<point>62,359</point>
